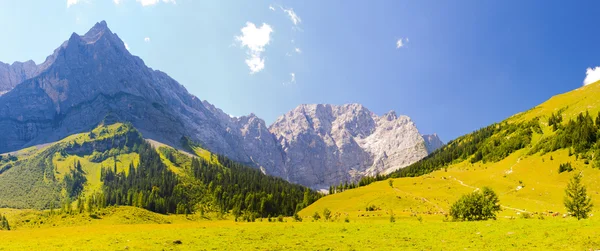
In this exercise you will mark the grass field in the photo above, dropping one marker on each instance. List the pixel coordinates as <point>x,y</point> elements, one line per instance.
<point>523,183</point>
<point>135,229</point>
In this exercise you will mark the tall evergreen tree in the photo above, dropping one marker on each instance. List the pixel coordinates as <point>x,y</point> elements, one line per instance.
<point>576,199</point>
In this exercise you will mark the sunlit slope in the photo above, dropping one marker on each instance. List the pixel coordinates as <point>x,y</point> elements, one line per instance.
<point>526,177</point>
<point>586,98</point>
<point>33,177</point>
<point>523,183</point>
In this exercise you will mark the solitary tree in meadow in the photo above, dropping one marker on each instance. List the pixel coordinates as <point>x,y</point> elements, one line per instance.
<point>478,205</point>
<point>576,199</point>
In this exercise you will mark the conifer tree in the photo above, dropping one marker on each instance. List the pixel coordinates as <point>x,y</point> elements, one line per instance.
<point>576,199</point>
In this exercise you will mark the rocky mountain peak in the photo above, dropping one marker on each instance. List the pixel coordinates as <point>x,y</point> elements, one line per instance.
<point>324,144</point>
<point>432,142</point>
<point>91,76</point>
<point>391,115</point>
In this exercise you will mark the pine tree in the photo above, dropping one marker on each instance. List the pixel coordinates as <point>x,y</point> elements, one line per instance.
<point>576,199</point>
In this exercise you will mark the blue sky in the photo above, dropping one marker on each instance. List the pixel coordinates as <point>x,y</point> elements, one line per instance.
<point>462,64</point>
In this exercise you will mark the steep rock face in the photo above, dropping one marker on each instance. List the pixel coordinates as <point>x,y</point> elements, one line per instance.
<point>432,142</point>
<point>326,144</point>
<point>92,77</point>
<point>12,75</point>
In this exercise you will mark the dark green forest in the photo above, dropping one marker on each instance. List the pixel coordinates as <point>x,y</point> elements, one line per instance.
<point>223,184</point>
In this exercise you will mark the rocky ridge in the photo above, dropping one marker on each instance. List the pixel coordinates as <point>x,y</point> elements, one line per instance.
<point>93,76</point>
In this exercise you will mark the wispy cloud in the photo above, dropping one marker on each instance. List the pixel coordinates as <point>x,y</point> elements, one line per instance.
<point>592,75</point>
<point>292,79</point>
<point>72,2</point>
<point>401,42</point>
<point>146,39</point>
<point>298,50</point>
<point>117,2</point>
<point>292,15</point>
<point>153,2</point>
<point>271,8</point>
<point>255,39</point>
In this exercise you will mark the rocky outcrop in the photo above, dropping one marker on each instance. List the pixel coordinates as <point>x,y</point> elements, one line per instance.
<point>92,77</point>
<point>432,142</point>
<point>326,144</point>
<point>12,75</point>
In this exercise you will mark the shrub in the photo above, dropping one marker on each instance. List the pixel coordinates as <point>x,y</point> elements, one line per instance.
<point>526,215</point>
<point>327,214</point>
<point>280,218</point>
<point>297,218</point>
<point>316,216</point>
<point>566,167</point>
<point>372,208</point>
<point>4,223</point>
<point>481,205</point>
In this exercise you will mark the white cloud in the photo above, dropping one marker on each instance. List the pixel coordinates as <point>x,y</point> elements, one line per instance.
<point>401,42</point>
<point>117,2</point>
<point>72,2</point>
<point>271,8</point>
<point>592,75</point>
<point>153,2</point>
<point>146,39</point>
<point>297,50</point>
<point>292,15</point>
<point>126,46</point>
<point>255,39</point>
<point>292,79</point>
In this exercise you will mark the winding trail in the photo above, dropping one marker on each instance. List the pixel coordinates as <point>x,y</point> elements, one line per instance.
<point>477,189</point>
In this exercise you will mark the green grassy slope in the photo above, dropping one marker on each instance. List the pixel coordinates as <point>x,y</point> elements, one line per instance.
<point>525,180</point>
<point>33,179</point>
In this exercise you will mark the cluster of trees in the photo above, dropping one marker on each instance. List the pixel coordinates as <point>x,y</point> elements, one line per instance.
<point>151,185</point>
<point>476,206</point>
<point>8,158</point>
<point>512,138</point>
<point>580,134</point>
<point>491,143</point>
<point>4,223</point>
<point>566,167</point>
<point>74,180</point>
<point>243,189</point>
<point>222,184</point>
<point>343,186</point>
<point>555,120</point>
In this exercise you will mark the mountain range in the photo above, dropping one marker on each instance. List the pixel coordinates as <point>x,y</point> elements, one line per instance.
<point>93,77</point>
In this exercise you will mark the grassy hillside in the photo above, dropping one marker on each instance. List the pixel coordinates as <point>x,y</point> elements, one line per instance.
<point>34,178</point>
<point>114,165</point>
<point>519,158</point>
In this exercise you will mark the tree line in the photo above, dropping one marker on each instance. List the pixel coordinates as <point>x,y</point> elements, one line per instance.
<point>217,184</point>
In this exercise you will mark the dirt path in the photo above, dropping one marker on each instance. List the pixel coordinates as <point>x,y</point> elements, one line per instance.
<point>477,189</point>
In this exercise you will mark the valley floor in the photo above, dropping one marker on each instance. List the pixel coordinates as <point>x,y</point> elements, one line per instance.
<point>373,234</point>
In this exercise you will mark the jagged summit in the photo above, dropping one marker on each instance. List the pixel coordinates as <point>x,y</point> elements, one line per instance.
<point>91,76</point>
<point>96,32</point>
